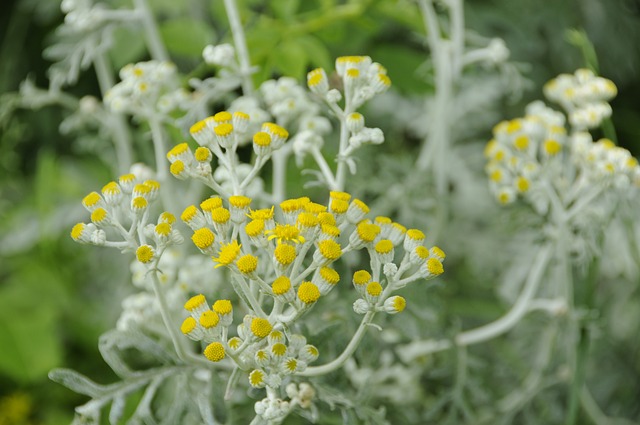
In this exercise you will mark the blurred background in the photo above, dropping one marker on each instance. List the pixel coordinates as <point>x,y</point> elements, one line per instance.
<point>55,297</point>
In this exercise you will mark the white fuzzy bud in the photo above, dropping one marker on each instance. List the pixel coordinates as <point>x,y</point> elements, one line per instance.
<point>220,55</point>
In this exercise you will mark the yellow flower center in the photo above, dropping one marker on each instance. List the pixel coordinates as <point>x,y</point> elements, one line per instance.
<point>222,307</point>
<point>227,254</point>
<point>281,285</point>
<point>330,249</point>
<point>203,238</point>
<point>247,264</point>
<point>285,254</point>
<point>260,327</point>
<point>209,319</point>
<point>286,233</point>
<point>361,277</point>
<point>239,201</point>
<point>308,292</point>
<point>144,253</point>
<point>214,352</point>
<point>329,275</point>
<point>434,266</point>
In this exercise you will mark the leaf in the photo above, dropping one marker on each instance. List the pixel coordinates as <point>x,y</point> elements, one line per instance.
<point>186,37</point>
<point>117,410</point>
<point>290,59</point>
<point>317,53</point>
<point>402,64</point>
<point>128,47</point>
<point>261,41</point>
<point>77,382</point>
<point>30,347</point>
<point>285,10</point>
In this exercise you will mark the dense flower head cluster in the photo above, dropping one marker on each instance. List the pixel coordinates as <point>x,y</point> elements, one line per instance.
<point>220,135</point>
<point>523,148</point>
<point>289,103</point>
<point>222,55</point>
<point>287,254</point>
<point>125,203</point>
<point>361,78</point>
<point>282,258</point>
<point>536,158</point>
<point>584,96</point>
<point>147,88</point>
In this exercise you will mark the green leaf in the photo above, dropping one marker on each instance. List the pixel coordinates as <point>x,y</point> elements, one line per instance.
<point>285,9</point>
<point>128,47</point>
<point>168,7</point>
<point>405,12</point>
<point>30,347</point>
<point>290,59</point>
<point>317,53</point>
<point>186,37</point>
<point>262,40</point>
<point>77,382</point>
<point>402,64</point>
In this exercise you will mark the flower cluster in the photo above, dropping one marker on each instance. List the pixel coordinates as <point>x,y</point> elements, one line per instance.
<point>289,103</point>
<point>122,204</point>
<point>222,55</point>
<point>220,135</point>
<point>534,157</point>
<point>522,149</point>
<point>361,78</point>
<point>288,257</point>
<point>283,259</point>
<point>584,96</point>
<point>146,89</point>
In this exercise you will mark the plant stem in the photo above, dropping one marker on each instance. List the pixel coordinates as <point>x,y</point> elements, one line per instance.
<point>592,409</point>
<point>241,46</point>
<point>518,310</point>
<point>154,40</point>
<point>341,172</point>
<point>325,169</point>
<point>579,373</point>
<point>346,354</point>
<point>166,318</point>
<point>434,149</point>
<point>279,185</point>
<point>493,329</point>
<point>121,136</point>
<point>159,148</point>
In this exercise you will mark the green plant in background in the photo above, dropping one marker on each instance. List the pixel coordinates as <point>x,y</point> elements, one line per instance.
<point>281,261</point>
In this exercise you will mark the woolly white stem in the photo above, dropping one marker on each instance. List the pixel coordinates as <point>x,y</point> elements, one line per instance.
<point>241,45</point>
<point>493,329</point>
<point>121,136</point>
<point>154,40</point>
<point>346,354</point>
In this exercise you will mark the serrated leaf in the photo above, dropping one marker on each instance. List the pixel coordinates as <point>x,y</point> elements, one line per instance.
<point>186,37</point>
<point>77,382</point>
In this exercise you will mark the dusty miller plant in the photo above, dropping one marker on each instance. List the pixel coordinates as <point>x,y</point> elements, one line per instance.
<point>266,267</point>
<point>240,324</point>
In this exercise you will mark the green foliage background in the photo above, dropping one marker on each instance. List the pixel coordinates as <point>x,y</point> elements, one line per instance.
<point>55,298</point>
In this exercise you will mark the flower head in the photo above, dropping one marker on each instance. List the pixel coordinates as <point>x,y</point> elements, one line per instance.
<point>227,254</point>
